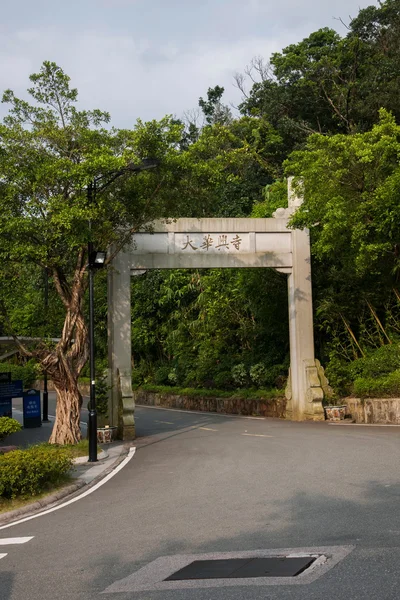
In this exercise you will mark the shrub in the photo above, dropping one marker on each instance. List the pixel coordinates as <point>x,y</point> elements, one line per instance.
<point>258,374</point>
<point>102,401</point>
<point>366,376</point>
<point>337,372</point>
<point>378,387</point>
<point>239,374</point>
<point>136,377</point>
<point>213,393</point>
<point>223,380</point>
<point>376,363</point>
<point>276,376</point>
<point>27,372</point>
<point>173,377</point>
<point>28,472</point>
<point>161,375</point>
<point>8,426</point>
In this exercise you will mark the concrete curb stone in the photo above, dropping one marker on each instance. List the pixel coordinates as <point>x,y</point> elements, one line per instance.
<point>81,460</point>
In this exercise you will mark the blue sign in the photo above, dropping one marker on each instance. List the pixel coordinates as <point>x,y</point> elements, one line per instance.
<point>12,390</point>
<point>5,407</point>
<point>32,409</point>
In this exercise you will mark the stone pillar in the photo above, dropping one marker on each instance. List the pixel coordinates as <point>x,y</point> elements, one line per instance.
<point>306,395</point>
<point>122,404</point>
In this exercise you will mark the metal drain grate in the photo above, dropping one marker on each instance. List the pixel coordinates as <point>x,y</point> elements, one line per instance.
<point>242,568</point>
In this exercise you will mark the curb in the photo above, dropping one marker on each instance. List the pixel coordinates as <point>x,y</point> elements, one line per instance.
<point>70,490</point>
<point>81,460</point>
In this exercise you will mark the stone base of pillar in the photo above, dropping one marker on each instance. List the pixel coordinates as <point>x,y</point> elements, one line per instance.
<point>314,392</point>
<point>308,408</point>
<point>126,408</point>
<point>127,433</point>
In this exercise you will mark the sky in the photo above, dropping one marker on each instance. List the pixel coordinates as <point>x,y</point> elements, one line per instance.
<point>147,58</point>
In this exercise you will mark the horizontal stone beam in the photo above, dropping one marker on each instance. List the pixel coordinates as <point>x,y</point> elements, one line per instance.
<point>222,224</point>
<point>215,261</point>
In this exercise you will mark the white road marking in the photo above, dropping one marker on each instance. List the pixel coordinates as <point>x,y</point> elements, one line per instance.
<point>2,555</point>
<point>257,435</point>
<point>207,429</point>
<point>16,540</point>
<point>89,491</point>
<point>166,422</point>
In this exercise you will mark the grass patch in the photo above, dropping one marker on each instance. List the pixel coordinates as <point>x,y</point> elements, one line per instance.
<point>76,450</point>
<point>6,505</point>
<point>211,393</point>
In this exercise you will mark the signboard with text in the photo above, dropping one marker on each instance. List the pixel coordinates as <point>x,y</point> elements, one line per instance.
<point>5,407</point>
<point>13,389</point>
<point>32,409</point>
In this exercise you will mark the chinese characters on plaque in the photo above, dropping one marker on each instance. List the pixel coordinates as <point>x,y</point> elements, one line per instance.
<point>222,241</point>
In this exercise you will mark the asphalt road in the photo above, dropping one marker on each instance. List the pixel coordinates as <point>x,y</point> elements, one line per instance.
<point>208,483</point>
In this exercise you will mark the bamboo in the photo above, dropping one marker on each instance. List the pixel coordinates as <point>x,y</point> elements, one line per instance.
<point>352,335</point>
<point>379,322</point>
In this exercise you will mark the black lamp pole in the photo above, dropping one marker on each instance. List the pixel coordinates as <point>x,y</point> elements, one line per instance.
<point>45,418</point>
<point>148,163</point>
<point>92,402</point>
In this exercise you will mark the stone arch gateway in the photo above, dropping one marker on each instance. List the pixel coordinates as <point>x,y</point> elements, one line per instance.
<point>218,243</point>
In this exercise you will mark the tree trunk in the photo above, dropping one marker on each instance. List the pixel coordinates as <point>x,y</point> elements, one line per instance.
<point>66,362</point>
<point>66,428</point>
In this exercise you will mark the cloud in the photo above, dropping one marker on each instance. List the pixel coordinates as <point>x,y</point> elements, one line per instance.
<point>131,78</point>
<point>150,62</point>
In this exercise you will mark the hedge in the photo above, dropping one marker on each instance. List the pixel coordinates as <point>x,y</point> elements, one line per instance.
<point>387,386</point>
<point>211,393</point>
<point>8,426</point>
<point>29,472</point>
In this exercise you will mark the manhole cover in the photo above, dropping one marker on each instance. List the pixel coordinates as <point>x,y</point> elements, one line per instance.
<point>242,568</point>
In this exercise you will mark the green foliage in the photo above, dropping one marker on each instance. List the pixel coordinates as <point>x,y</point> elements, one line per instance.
<point>240,375</point>
<point>378,387</point>
<point>214,393</point>
<point>161,375</point>
<point>80,449</point>
<point>263,375</point>
<point>193,328</point>
<point>8,426</point>
<point>213,110</point>
<point>28,372</point>
<point>26,473</point>
<point>351,184</point>
<point>275,196</point>
<point>328,84</point>
<point>377,363</point>
<point>102,400</point>
<point>223,380</point>
<point>358,376</point>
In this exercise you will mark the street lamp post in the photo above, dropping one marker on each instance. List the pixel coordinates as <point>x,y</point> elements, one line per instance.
<point>97,260</point>
<point>45,417</point>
